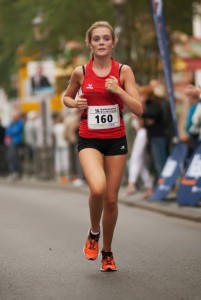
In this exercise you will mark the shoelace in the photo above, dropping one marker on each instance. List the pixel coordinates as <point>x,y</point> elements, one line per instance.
<point>108,258</point>
<point>93,240</point>
<point>92,244</point>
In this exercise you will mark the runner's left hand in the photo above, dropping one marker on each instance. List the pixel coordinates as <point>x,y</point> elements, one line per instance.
<point>111,84</point>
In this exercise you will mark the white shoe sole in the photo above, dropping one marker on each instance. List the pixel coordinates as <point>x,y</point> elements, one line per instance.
<point>108,270</point>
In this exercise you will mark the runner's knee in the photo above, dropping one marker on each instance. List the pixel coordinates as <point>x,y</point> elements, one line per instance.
<point>97,192</point>
<point>110,203</point>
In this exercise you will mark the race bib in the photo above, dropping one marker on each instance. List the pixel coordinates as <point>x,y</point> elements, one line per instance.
<point>103,117</point>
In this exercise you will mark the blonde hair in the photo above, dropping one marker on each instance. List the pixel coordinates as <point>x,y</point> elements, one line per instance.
<point>96,25</point>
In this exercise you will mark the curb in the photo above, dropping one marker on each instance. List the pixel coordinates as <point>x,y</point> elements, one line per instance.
<point>175,212</point>
<point>172,210</point>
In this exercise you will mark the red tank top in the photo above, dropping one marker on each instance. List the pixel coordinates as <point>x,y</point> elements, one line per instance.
<point>103,104</point>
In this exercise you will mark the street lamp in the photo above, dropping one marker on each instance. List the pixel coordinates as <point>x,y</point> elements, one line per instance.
<point>36,26</point>
<point>119,6</point>
<point>44,153</point>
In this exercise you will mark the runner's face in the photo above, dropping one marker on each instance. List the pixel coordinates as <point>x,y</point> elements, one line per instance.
<point>101,41</point>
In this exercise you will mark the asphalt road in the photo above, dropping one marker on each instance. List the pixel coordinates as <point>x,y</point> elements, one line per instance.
<point>42,232</point>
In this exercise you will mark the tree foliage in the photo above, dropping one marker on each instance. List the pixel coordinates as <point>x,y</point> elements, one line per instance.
<point>69,20</point>
<point>141,47</point>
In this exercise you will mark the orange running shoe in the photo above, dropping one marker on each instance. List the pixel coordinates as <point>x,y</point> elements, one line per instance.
<point>108,263</point>
<point>91,249</point>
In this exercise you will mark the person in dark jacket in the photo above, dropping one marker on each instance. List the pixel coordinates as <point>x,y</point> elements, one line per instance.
<point>2,134</point>
<point>2,150</point>
<point>156,131</point>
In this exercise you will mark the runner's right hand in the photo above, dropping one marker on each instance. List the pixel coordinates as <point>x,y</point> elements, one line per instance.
<point>81,102</point>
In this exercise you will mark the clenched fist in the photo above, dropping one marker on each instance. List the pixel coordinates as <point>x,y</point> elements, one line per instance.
<point>81,102</point>
<point>111,85</point>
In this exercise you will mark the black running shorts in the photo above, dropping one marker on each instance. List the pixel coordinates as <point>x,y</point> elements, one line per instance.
<point>105,146</point>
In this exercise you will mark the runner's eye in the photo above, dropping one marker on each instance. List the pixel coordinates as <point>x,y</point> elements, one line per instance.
<point>96,39</point>
<point>107,38</point>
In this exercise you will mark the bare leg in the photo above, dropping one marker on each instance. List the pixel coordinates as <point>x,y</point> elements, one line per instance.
<point>130,189</point>
<point>137,160</point>
<point>114,166</point>
<point>92,164</point>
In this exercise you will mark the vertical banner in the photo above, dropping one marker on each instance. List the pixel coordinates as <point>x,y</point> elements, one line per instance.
<point>170,172</point>
<point>160,27</point>
<point>177,157</point>
<point>189,191</point>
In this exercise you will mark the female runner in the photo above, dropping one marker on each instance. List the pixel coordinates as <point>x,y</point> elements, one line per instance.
<point>107,86</point>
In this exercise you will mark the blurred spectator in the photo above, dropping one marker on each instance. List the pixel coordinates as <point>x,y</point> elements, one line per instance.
<point>181,105</point>
<point>2,134</point>
<point>154,123</point>
<point>61,155</point>
<point>193,122</point>
<point>43,132</point>
<point>44,161</point>
<point>71,126</point>
<point>138,163</point>
<point>39,81</point>
<point>160,94</point>
<point>3,166</point>
<point>14,142</point>
<point>30,141</point>
<point>131,134</point>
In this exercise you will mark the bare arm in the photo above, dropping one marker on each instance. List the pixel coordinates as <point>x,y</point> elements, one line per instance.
<point>72,89</point>
<point>129,95</point>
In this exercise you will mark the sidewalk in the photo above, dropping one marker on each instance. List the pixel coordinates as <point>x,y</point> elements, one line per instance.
<point>167,207</point>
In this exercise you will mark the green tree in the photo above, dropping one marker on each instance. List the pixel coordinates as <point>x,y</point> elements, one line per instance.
<point>64,20</point>
<point>67,20</point>
<point>141,47</point>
